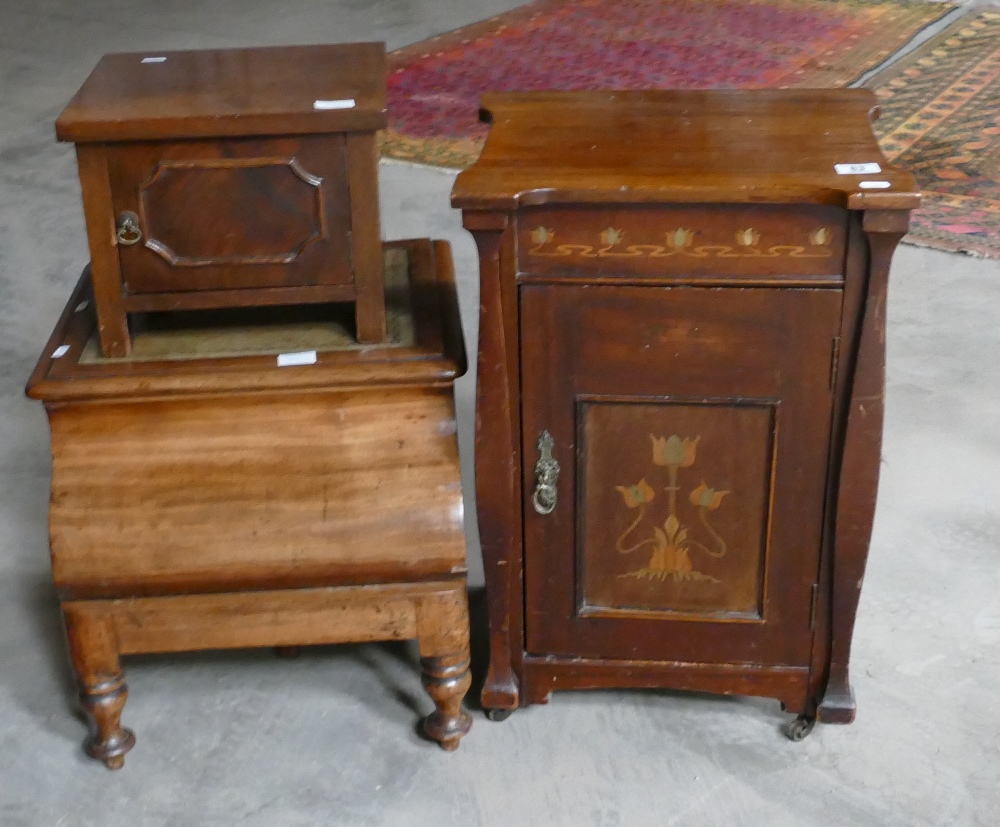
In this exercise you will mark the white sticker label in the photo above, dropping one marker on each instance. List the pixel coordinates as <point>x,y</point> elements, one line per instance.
<point>345,103</point>
<point>62,350</point>
<point>856,169</point>
<point>303,357</point>
<point>874,185</point>
<point>154,60</point>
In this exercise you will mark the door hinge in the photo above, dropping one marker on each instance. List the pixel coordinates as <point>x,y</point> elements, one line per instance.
<point>834,361</point>
<point>813,597</point>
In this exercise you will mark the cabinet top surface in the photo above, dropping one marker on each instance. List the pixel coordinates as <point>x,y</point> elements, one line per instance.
<point>749,146</point>
<point>229,92</point>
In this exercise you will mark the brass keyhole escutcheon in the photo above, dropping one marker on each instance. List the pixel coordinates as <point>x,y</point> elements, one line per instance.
<point>127,229</point>
<point>546,476</point>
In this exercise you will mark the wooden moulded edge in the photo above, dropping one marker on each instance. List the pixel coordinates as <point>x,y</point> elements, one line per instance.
<point>290,617</point>
<point>438,357</point>
<point>493,184</point>
<point>84,121</point>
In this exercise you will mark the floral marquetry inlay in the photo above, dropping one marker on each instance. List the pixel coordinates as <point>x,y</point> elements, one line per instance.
<point>747,237</point>
<point>821,236</point>
<point>681,241</point>
<point>680,238</point>
<point>671,543</point>
<point>540,235</point>
<point>611,236</point>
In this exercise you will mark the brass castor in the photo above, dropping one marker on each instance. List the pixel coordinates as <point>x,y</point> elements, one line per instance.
<point>800,727</point>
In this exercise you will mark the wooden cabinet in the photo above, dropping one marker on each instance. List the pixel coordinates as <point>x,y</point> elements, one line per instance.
<point>680,389</point>
<point>231,177</point>
<point>254,479</point>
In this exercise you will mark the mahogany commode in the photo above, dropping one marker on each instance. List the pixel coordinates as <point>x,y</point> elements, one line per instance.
<point>231,177</point>
<point>681,369</point>
<point>258,478</point>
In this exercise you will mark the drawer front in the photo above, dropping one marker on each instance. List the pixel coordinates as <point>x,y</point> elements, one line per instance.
<point>233,214</point>
<point>702,242</point>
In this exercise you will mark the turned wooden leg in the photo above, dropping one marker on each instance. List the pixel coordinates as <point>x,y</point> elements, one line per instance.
<point>103,691</point>
<point>443,629</point>
<point>446,680</point>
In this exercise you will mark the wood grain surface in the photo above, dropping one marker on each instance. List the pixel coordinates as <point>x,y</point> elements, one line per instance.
<point>217,92</point>
<point>718,146</point>
<point>243,175</point>
<point>436,357</point>
<point>204,502</point>
<point>240,491</point>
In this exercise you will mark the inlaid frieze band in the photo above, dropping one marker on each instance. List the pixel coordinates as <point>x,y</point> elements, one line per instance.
<point>681,241</point>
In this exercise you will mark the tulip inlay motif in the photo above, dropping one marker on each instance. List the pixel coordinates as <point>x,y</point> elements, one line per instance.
<point>671,545</point>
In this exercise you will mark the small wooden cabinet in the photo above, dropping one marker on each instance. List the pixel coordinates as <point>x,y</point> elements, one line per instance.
<point>231,177</point>
<point>680,388</point>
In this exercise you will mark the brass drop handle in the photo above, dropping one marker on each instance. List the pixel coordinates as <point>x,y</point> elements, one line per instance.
<point>127,229</point>
<point>546,475</point>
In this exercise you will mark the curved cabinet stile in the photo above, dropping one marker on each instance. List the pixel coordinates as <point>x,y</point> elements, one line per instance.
<point>860,462</point>
<point>498,456</point>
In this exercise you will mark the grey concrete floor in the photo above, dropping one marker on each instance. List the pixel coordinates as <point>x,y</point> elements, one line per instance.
<point>244,738</point>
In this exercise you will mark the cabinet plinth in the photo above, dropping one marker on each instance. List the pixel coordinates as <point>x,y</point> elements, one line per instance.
<point>681,368</point>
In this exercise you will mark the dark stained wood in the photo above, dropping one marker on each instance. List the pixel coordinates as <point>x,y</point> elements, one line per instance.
<point>689,243</point>
<point>785,683</point>
<point>238,181</point>
<point>228,92</point>
<point>732,445</point>
<point>498,464</point>
<point>680,290</point>
<point>741,380</point>
<point>235,214</point>
<point>205,502</point>
<point>857,485</point>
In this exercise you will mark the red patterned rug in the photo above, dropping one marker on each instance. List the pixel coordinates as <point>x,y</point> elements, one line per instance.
<point>941,120</point>
<point>434,86</point>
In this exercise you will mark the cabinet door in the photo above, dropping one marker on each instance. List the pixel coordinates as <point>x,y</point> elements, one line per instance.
<point>692,427</point>
<point>234,214</point>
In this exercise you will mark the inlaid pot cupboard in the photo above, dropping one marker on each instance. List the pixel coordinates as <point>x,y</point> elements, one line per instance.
<point>681,369</point>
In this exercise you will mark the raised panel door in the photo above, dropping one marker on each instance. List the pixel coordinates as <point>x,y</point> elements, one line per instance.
<point>233,214</point>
